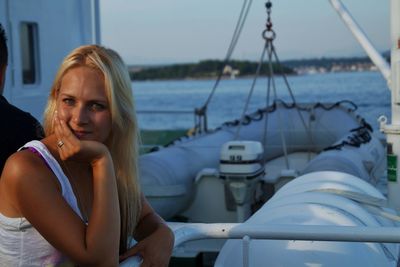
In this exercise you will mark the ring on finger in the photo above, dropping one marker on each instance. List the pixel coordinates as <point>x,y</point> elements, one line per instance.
<point>60,143</point>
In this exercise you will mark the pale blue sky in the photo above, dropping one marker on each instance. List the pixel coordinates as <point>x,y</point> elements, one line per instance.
<point>171,31</point>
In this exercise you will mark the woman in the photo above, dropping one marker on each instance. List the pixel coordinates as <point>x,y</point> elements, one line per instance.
<point>74,196</point>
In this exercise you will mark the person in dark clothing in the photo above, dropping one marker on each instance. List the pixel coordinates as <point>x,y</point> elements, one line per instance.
<point>16,126</point>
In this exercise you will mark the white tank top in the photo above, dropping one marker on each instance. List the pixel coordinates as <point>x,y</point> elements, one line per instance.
<point>20,243</point>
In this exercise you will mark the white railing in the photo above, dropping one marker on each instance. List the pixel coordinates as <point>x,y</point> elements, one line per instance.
<point>185,232</point>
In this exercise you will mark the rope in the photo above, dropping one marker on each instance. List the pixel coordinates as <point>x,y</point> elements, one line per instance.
<point>260,114</point>
<point>235,37</point>
<point>307,128</point>
<point>271,78</point>
<point>251,92</point>
<point>269,35</point>
<point>361,135</point>
<point>267,100</point>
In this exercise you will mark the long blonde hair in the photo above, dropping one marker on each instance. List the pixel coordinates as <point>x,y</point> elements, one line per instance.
<point>123,142</point>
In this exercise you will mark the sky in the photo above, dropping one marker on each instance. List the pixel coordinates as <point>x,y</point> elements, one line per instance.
<point>182,31</point>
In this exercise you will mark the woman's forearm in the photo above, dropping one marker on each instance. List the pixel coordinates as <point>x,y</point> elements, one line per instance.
<point>103,230</point>
<point>156,240</point>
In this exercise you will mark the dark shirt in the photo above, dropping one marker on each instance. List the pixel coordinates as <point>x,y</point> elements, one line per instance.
<point>17,127</point>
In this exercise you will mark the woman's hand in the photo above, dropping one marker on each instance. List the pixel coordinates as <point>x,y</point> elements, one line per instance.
<point>156,239</point>
<point>155,249</point>
<point>71,148</point>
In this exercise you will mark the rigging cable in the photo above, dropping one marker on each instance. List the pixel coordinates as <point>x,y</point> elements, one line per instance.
<point>243,117</point>
<point>278,63</point>
<point>269,35</point>
<point>271,81</point>
<point>260,63</point>
<point>202,112</point>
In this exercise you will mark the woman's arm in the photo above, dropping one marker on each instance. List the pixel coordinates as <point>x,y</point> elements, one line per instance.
<point>36,195</point>
<point>156,239</point>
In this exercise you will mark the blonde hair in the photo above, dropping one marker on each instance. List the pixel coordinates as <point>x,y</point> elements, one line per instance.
<point>123,142</point>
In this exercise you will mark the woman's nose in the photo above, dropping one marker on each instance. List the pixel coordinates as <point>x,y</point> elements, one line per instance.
<point>80,115</point>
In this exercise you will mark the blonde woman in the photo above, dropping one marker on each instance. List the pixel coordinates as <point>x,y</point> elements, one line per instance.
<point>74,196</point>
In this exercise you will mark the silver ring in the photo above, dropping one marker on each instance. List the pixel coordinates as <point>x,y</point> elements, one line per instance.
<point>60,143</point>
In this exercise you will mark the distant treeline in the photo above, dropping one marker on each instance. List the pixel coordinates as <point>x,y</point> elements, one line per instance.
<point>326,62</point>
<point>203,69</point>
<point>239,68</point>
<point>329,62</point>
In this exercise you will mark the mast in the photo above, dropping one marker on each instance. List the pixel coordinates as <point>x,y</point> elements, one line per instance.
<point>392,130</point>
<point>96,22</point>
<point>362,39</point>
<point>392,76</point>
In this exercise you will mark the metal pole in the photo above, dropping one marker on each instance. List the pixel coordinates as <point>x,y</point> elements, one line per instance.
<point>361,37</point>
<point>195,231</point>
<point>246,251</point>
<point>395,59</point>
<point>96,21</point>
<point>392,130</point>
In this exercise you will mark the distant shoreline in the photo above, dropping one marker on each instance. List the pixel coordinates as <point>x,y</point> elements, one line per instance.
<point>210,69</point>
<point>225,78</point>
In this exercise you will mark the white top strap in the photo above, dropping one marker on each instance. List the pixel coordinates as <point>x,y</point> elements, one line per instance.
<point>66,188</point>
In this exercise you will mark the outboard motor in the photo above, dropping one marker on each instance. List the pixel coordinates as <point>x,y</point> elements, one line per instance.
<point>241,167</point>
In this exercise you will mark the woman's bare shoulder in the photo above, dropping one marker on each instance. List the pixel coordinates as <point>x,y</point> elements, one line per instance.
<point>25,166</point>
<point>25,176</point>
<point>24,161</point>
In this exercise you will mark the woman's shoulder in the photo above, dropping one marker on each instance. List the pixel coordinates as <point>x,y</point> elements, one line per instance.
<point>25,177</point>
<point>21,161</point>
<point>25,164</point>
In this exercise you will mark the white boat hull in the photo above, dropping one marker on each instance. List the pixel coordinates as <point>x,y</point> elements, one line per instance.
<point>304,201</point>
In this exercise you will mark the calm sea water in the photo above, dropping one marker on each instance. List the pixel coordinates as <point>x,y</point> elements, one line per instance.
<point>368,90</point>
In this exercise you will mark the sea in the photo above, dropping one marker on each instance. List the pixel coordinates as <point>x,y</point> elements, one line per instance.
<point>170,104</point>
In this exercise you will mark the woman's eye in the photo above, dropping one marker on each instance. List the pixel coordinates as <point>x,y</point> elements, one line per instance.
<point>68,101</point>
<point>97,107</point>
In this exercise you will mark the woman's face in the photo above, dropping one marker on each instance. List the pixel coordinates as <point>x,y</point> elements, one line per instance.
<point>82,103</point>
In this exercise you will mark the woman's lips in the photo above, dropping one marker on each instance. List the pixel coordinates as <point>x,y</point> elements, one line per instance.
<point>80,134</point>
